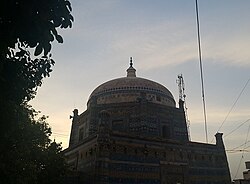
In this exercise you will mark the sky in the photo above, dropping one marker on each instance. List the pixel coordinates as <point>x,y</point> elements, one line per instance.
<point>161,36</point>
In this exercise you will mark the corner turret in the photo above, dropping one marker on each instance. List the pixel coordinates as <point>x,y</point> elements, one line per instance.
<point>219,140</point>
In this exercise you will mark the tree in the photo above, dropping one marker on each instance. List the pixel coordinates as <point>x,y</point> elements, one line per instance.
<point>27,30</point>
<point>30,156</point>
<point>26,25</point>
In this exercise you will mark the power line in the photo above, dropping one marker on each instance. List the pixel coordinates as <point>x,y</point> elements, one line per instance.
<point>237,151</point>
<point>239,147</point>
<point>247,146</point>
<point>201,71</point>
<point>234,104</point>
<point>236,128</point>
<point>244,87</point>
<point>242,155</point>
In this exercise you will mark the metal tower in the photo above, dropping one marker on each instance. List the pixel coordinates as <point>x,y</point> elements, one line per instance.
<point>182,97</point>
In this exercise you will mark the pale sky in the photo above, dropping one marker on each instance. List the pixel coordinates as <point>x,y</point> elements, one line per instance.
<point>161,36</point>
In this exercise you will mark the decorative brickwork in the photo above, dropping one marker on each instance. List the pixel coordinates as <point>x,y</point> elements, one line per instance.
<point>132,132</point>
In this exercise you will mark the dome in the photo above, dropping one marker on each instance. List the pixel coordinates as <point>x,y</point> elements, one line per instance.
<point>131,88</point>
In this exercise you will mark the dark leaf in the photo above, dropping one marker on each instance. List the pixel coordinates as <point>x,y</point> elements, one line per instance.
<point>38,50</point>
<point>51,37</point>
<point>52,62</point>
<point>54,31</point>
<point>59,38</point>
<point>71,18</point>
<point>67,3</point>
<point>47,48</point>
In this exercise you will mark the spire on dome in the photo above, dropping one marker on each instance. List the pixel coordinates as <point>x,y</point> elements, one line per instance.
<point>131,71</point>
<point>131,61</point>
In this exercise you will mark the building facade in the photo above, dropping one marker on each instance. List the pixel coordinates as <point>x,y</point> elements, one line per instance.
<point>132,132</point>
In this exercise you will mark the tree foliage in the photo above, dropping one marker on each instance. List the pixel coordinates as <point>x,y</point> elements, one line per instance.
<point>29,156</point>
<point>27,30</point>
<point>33,23</point>
<point>27,25</point>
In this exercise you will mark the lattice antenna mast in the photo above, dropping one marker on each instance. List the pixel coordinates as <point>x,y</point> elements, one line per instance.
<point>182,97</point>
<point>181,87</point>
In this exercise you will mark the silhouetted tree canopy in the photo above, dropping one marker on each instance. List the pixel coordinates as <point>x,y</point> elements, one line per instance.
<point>26,26</point>
<point>27,30</point>
<point>33,23</point>
<point>28,155</point>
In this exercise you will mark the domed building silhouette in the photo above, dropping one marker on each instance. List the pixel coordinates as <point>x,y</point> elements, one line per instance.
<point>133,133</point>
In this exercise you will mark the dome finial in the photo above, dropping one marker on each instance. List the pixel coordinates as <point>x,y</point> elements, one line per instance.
<point>131,71</point>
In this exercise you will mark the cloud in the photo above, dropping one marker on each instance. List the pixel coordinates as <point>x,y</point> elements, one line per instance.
<point>157,45</point>
<point>234,51</point>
